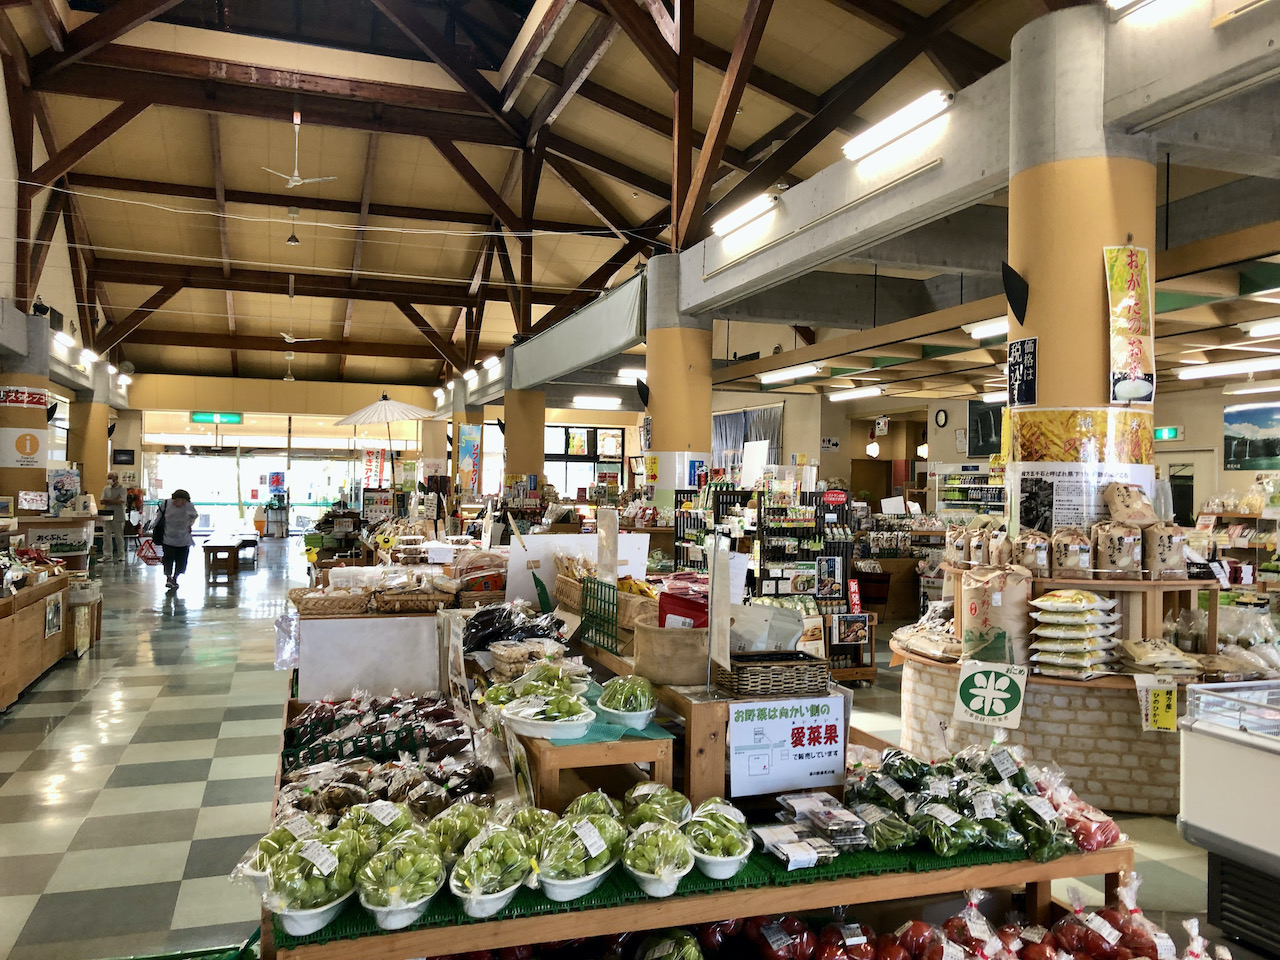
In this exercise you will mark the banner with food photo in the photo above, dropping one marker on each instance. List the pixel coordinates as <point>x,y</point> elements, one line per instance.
<point>1083,435</point>
<point>1129,299</point>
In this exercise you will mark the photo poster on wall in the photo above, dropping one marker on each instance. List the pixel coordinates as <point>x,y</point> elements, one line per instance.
<point>984,428</point>
<point>1049,495</point>
<point>1251,437</point>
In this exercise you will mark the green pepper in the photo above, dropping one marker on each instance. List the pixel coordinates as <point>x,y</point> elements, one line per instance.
<point>947,831</point>
<point>1047,836</point>
<point>904,768</point>
<point>885,829</point>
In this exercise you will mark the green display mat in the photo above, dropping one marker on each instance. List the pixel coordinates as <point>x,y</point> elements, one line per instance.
<point>761,870</point>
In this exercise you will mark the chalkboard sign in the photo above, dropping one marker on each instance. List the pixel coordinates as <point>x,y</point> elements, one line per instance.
<point>1022,372</point>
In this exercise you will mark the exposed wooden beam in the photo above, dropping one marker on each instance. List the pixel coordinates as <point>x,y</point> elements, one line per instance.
<point>346,335</point>
<point>81,146</point>
<point>447,351</point>
<point>476,181</point>
<point>425,37</point>
<point>88,181</point>
<point>644,33</point>
<point>584,190</point>
<point>840,103</point>
<point>896,19</point>
<point>331,286</point>
<point>84,307</point>
<point>117,332</point>
<point>366,196</point>
<point>353,348</point>
<point>508,274</point>
<point>682,114</point>
<point>46,15</point>
<point>475,317</point>
<point>807,334</point>
<point>53,208</point>
<point>535,48</point>
<point>11,46</point>
<point>597,40</point>
<point>745,46</point>
<point>22,123</point>
<point>662,19</point>
<point>530,179</point>
<point>220,195</point>
<point>92,35</point>
<point>608,166</point>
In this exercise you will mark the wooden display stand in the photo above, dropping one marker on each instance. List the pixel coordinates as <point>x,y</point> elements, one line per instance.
<point>547,759</point>
<point>26,652</point>
<point>867,672</point>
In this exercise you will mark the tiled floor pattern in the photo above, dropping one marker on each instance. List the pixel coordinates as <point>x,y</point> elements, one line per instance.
<point>132,780</point>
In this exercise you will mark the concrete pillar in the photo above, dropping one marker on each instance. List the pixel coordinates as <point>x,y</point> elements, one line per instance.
<point>678,368</point>
<point>87,444</point>
<point>525,414</point>
<point>24,428</point>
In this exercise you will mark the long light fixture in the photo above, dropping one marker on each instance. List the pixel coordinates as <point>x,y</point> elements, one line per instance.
<point>125,379</point>
<point>1265,328</point>
<point>491,362</point>
<point>1230,368</point>
<point>632,374</point>
<point>88,357</point>
<point>111,370</point>
<point>857,393</point>
<point>64,338</point>
<point>897,125</point>
<point>751,210</point>
<point>597,403</point>
<point>997,396</point>
<point>469,374</point>
<point>1251,386</point>
<point>790,373</point>
<point>985,329</point>
<point>450,384</point>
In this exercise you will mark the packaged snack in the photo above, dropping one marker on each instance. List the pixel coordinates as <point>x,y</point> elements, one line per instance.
<point>1031,550</point>
<point>997,600</point>
<point>1117,551</point>
<point>1129,503</point>
<point>839,827</point>
<point>1072,600</point>
<point>797,805</point>
<point>1072,555</point>
<point>1162,551</point>
<point>796,845</point>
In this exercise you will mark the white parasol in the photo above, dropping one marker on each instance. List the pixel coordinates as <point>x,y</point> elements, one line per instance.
<point>386,411</point>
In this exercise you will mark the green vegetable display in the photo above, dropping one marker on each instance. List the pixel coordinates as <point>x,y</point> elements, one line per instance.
<point>885,829</point>
<point>1047,836</point>
<point>560,706</point>
<point>547,671</point>
<point>628,694</point>
<point>1001,764</point>
<point>456,827</point>
<point>362,819</point>
<point>673,944</point>
<point>948,832</point>
<point>659,850</point>
<point>533,824</point>
<point>402,872</point>
<point>496,860</point>
<point>548,689</point>
<point>294,882</point>
<point>717,831</point>
<point>500,694</point>
<point>274,842</point>
<point>651,802</point>
<point>903,767</point>
<point>1001,835</point>
<point>564,853</point>
<point>597,801</point>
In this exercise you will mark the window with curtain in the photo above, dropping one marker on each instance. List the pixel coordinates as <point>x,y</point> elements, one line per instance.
<point>729,431</point>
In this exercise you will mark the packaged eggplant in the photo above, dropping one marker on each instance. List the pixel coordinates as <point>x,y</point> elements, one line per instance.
<point>947,831</point>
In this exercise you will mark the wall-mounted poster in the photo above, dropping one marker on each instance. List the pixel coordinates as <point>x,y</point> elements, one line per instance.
<point>1251,437</point>
<point>123,458</point>
<point>984,428</point>
<point>468,448</point>
<point>1133,371</point>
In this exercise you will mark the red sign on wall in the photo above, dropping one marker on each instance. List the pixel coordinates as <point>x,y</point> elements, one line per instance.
<point>835,498</point>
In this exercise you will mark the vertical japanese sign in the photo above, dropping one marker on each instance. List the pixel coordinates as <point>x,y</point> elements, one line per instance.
<point>276,482</point>
<point>778,745</point>
<point>1157,702</point>
<point>468,449</point>
<point>1022,374</point>
<point>1129,297</point>
<point>374,464</point>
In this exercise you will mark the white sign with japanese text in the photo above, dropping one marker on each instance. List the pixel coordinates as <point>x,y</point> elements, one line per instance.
<point>779,745</point>
<point>990,694</point>
<point>1046,495</point>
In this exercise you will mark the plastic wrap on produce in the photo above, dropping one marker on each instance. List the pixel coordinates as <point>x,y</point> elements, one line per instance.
<point>287,639</point>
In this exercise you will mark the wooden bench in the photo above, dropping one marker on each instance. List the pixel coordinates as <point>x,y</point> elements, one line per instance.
<point>221,558</point>
<point>547,759</point>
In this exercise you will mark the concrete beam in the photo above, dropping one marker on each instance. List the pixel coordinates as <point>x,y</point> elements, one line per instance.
<point>972,241</point>
<point>1240,134</point>
<point>1225,209</point>
<point>841,300</point>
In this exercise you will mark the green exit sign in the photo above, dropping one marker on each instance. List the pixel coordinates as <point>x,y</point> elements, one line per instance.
<point>1168,433</point>
<point>208,416</point>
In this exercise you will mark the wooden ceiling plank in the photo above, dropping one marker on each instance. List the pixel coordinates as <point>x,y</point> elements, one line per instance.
<point>220,195</point>
<point>894,18</point>
<point>594,44</point>
<point>745,46</point>
<point>476,181</point>
<point>535,48</point>
<point>62,162</point>
<point>222,341</point>
<point>44,234</point>
<point>117,332</point>
<point>231,330</point>
<point>447,351</point>
<point>46,15</point>
<point>366,197</point>
<point>773,86</point>
<point>640,27</point>
<point>92,35</point>
<point>584,190</point>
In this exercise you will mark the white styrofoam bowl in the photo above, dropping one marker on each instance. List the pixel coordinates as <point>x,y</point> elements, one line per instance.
<point>574,729</point>
<point>564,890</point>
<point>396,918</point>
<point>654,885</point>
<point>722,868</point>
<point>480,906</point>
<point>257,878</point>
<point>300,923</point>
<point>633,719</point>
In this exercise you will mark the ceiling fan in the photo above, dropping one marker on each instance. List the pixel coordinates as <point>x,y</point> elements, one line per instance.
<point>289,337</point>
<point>297,179</point>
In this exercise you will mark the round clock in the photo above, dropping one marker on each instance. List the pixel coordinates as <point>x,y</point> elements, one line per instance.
<point>940,418</point>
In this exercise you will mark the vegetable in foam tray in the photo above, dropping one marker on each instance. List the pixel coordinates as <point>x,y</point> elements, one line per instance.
<point>496,860</point>
<point>659,850</point>
<point>628,695</point>
<point>404,871</point>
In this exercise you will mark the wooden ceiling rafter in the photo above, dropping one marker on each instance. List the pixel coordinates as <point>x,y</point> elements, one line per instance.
<point>640,27</point>
<point>571,78</point>
<point>55,31</point>
<point>79,148</point>
<point>224,240</point>
<point>357,253</point>
<point>116,332</point>
<point>53,208</point>
<point>85,309</point>
<point>536,45</point>
<point>447,351</point>
<point>92,35</point>
<point>476,181</point>
<point>240,342</point>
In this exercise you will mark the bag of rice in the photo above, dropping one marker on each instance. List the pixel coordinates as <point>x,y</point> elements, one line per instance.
<point>979,543</point>
<point>1129,503</point>
<point>1162,545</point>
<point>1117,551</point>
<point>1074,673</point>
<point>1077,631</point>
<point>953,551</point>
<point>1081,659</point>
<point>999,548</point>
<point>1031,550</point>
<point>1072,554</point>
<point>1073,616</point>
<point>1066,601</point>
<point>1074,646</point>
<point>996,614</point>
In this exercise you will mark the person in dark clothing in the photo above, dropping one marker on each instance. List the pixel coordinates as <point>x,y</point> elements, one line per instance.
<point>179,516</point>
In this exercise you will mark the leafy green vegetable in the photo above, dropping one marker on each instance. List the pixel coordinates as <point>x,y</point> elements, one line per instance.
<point>628,694</point>
<point>1047,836</point>
<point>565,854</point>
<point>948,832</point>
<point>885,829</point>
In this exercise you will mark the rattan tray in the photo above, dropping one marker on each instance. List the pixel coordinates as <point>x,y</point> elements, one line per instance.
<point>313,603</point>
<point>771,674</point>
<point>411,602</point>
<point>568,592</point>
<point>471,598</point>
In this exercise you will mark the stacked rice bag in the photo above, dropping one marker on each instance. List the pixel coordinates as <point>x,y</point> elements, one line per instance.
<point>1072,638</point>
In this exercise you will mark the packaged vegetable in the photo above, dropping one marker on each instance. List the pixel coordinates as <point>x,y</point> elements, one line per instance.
<point>579,846</point>
<point>550,709</point>
<point>969,927</point>
<point>1046,833</point>
<point>301,827</point>
<point>595,802</point>
<point>497,859</point>
<point>1138,934</point>
<point>885,830</point>
<point>628,694</point>
<point>378,822</point>
<point>780,938</point>
<point>907,770</point>
<point>947,831</point>
<point>1072,600</point>
<point>846,941</point>
<point>1002,763</point>
<point>674,944</point>
<point>1071,555</point>
<point>312,873</point>
<point>399,874</point>
<point>658,849</point>
<point>718,830</point>
<point>651,802</point>
<point>1086,933</point>
<point>1091,828</point>
<point>456,827</point>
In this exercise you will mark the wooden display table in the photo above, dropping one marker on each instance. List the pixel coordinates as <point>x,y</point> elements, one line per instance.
<point>63,538</point>
<point>547,759</point>
<point>28,645</point>
<point>221,559</point>
<point>706,907</point>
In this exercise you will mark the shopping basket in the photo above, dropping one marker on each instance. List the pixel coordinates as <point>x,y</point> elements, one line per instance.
<point>148,553</point>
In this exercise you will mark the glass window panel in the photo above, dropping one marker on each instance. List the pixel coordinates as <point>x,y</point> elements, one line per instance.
<point>554,443</point>
<point>555,475</point>
<point>579,475</point>
<point>578,441</point>
<point>609,444</point>
<point>609,473</point>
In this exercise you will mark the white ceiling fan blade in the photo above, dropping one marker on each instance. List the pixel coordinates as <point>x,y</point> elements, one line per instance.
<point>306,339</point>
<point>288,337</point>
<point>282,176</point>
<point>317,180</point>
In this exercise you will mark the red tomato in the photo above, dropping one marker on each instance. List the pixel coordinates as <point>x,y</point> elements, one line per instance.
<point>895,951</point>
<point>1038,951</point>
<point>917,938</point>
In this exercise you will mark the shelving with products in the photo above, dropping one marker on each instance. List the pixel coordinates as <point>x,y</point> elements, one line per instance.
<point>971,487</point>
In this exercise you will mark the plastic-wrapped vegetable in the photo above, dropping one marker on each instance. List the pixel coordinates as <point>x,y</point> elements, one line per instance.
<point>909,771</point>
<point>313,873</point>
<point>1046,834</point>
<point>718,830</point>
<point>628,694</point>
<point>659,850</point>
<point>500,694</point>
<point>301,827</point>
<point>456,827</point>
<point>947,831</point>
<point>885,829</point>
<point>378,821</point>
<point>579,846</point>
<point>401,873</point>
<point>496,860</point>
<point>1006,763</point>
<point>1001,835</point>
<point>1091,828</point>
<point>597,801</point>
<point>533,823</point>
<point>674,944</point>
<point>651,802</point>
<point>969,927</point>
<point>561,706</point>
<point>1088,934</point>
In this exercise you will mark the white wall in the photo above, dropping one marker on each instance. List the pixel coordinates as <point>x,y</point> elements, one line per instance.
<point>801,419</point>
<point>942,441</point>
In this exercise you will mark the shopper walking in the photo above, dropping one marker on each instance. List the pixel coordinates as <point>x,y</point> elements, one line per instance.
<point>114,499</point>
<point>174,519</point>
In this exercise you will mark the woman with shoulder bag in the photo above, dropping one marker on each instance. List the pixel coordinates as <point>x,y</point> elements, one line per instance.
<point>172,531</point>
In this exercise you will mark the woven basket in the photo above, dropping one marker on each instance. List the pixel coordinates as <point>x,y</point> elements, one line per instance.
<point>568,592</point>
<point>769,674</point>
<point>482,598</point>
<point>416,602</point>
<point>313,603</point>
<point>630,608</point>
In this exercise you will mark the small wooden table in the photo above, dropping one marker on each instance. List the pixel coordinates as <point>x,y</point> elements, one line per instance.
<point>221,558</point>
<point>547,759</point>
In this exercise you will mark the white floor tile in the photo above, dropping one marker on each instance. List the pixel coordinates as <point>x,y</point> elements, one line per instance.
<point>174,750</point>
<point>250,728</point>
<point>119,867</point>
<point>50,835</point>
<point>238,768</point>
<point>14,912</point>
<point>40,781</point>
<point>170,796</point>
<point>233,820</point>
<point>209,901</point>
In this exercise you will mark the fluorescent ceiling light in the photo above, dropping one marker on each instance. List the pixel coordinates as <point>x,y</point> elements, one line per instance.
<point>999,396</point>
<point>633,373</point>
<point>898,125</point>
<point>857,393</point>
<point>439,394</point>
<point>64,338</point>
<point>88,357</point>
<point>491,362</point>
<point>469,374</point>
<point>1230,368</point>
<point>1251,386</point>
<point>985,329</point>
<point>790,373</point>
<point>752,209</point>
<point>597,403</point>
<point>1263,328</point>
<point>449,384</point>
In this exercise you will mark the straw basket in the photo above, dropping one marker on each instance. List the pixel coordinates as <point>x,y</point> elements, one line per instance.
<point>411,602</point>
<point>313,603</point>
<point>774,673</point>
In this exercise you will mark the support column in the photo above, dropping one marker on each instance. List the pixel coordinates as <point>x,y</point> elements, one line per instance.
<point>525,415</point>
<point>24,427</point>
<point>678,374</point>
<point>1075,187</point>
<point>87,434</point>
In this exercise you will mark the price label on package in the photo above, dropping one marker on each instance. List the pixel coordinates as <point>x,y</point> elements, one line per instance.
<point>1157,702</point>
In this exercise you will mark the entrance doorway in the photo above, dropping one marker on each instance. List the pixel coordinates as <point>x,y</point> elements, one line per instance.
<point>1193,478</point>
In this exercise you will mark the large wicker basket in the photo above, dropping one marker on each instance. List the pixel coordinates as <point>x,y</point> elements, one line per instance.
<point>411,602</point>
<point>774,673</point>
<point>313,603</point>
<point>568,592</point>
<point>480,598</point>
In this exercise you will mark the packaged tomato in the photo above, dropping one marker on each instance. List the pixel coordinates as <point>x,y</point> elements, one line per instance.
<point>846,941</point>
<point>969,927</point>
<point>1037,943</point>
<point>1091,828</point>
<point>1139,934</point>
<point>1198,947</point>
<point>916,937</point>
<point>1086,933</point>
<point>781,938</point>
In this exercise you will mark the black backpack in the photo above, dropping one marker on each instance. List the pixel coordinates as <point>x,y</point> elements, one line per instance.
<point>157,528</point>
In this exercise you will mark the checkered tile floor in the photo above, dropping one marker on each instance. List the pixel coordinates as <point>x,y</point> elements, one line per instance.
<point>132,780</point>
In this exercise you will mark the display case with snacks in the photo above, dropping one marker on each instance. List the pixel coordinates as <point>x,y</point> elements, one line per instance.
<point>967,487</point>
<point>1246,543</point>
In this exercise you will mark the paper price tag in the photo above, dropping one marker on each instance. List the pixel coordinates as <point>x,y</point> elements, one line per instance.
<point>300,827</point>
<point>952,951</point>
<point>984,808</point>
<point>590,837</point>
<point>944,814</point>
<point>384,811</point>
<point>644,789</point>
<point>776,937</point>
<point>799,855</point>
<point>1100,926</point>
<point>324,859</point>
<point>979,929</point>
<point>419,790</point>
<point>1035,934</point>
<point>853,934</point>
<point>938,787</point>
<point>871,814</point>
<point>891,786</point>
<point>1041,807</point>
<point>1165,947</point>
<point>902,929</point>
<point>1004,763</point>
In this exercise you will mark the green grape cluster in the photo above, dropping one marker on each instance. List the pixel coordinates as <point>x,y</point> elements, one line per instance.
<point>597,801</point>
<point>564,853</point>
<point>296,883</point>
<point>497,860</point>
<point>456,827</point>
<point>658,850</point>
<point>403,871</point>
<point>718,830</point>
<point>628,694</point>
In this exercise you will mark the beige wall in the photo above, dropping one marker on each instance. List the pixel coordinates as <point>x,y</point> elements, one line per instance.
<point>156,391</point>
<point>942,442</point>
<point>1200,415</point>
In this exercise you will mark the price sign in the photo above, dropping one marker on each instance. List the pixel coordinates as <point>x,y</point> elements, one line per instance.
<point>1157,702</point>
<point>1022,372</point>
<point>779,745</point>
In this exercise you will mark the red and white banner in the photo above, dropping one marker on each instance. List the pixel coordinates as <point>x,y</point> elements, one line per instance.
<point>375,462</point>
<point>23,397</point>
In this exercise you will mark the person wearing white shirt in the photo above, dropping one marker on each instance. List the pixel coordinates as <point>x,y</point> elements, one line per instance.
<point>114,498</point>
